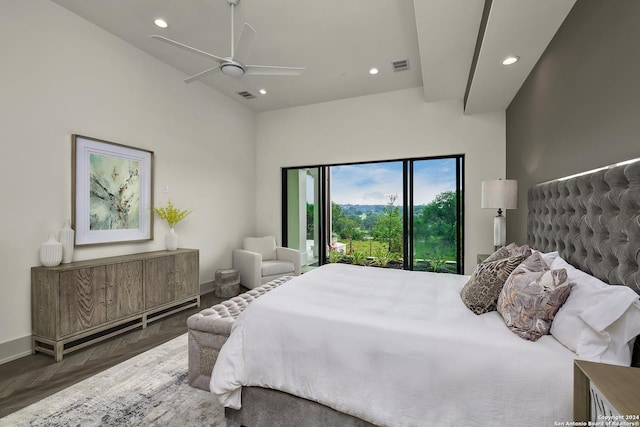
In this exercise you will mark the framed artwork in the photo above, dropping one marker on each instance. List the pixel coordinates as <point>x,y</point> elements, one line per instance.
<point>111,192</point>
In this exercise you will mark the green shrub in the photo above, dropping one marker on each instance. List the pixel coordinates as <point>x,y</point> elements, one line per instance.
<point>335,256</point>
<point>359,258</point>
<point>382,257</point>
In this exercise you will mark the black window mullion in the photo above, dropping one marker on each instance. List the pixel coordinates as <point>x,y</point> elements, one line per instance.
<point>285,216</point>
<point>407,214</point>
<point>459,215</point>
<point>325,208</point>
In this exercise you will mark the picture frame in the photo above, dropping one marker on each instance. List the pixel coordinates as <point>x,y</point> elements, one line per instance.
<point>111,192</point>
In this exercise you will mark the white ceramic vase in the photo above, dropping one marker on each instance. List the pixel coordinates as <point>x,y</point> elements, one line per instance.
<point>51,252</point>
<point>171,240</point>
<point>66,238</point>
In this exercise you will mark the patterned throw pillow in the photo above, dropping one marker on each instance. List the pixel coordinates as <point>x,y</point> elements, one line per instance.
<point>501,253</point>
<point>515,250</point>
<point>532,296</point>
<point>512,249</point>
<point>482,290</point>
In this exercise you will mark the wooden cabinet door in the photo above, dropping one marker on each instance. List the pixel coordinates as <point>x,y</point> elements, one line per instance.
<point>186,275</point>
<point>124,290</point>
<point>82,299</point>
<point>158,281</point>
<point>44,302</point>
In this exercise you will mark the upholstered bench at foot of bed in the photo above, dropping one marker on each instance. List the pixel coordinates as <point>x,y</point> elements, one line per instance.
<point>209,329</point>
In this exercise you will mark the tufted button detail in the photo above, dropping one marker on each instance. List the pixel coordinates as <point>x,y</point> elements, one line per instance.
<point>593,221</point>
<point>219,318</point>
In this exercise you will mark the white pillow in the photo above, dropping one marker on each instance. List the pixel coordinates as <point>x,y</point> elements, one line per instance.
<point>598,322</point>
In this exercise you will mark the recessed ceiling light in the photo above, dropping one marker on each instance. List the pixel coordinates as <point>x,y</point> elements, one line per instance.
<point>262,91</point>
<point>510,60</point>
<point>374,71</point>
<point>161,23</point>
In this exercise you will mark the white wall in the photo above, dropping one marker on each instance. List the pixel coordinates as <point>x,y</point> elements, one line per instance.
<point>62,75</point>
<point>392,125</point>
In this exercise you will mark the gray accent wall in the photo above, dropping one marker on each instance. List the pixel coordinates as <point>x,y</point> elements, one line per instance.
<point>580,107</point>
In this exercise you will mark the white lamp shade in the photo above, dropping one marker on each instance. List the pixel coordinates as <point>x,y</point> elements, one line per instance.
<point>500,194</point>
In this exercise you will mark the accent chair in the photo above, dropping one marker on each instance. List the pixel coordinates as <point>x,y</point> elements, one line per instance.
<point>260,261</point>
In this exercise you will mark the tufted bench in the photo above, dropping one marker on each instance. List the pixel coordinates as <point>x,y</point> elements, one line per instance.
<point>209,329</point>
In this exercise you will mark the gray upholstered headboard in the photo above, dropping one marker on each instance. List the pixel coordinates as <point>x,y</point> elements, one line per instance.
<point>593,221</point>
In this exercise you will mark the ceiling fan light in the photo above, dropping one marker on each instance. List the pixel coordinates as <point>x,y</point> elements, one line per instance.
<point>161,23</point>
<point>233,70</point>
<point>262,92</point>
<point>374,71</point>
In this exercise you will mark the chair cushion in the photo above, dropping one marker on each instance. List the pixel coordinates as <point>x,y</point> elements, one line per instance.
<point>265,246</point>
<point>273,267</point>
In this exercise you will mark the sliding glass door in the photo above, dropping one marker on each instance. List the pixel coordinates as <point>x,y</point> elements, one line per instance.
<point>302,208</point>
<point>407,213</point>
<point>436,214</point>
<point>366,208</point>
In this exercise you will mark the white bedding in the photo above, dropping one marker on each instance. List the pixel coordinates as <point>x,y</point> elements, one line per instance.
<point>395,348</point>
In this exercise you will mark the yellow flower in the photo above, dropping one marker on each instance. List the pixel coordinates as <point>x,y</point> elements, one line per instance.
<point>171,214</point>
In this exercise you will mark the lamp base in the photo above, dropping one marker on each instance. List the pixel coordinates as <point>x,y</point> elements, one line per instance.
<point>499,231</point>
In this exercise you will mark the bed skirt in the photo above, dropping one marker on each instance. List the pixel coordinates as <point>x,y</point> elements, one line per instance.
<point>266,407</point>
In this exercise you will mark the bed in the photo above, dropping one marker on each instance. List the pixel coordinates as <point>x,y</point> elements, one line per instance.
<point>368,346</point>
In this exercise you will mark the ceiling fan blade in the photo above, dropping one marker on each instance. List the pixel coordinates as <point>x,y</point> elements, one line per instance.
<point>245,43</point>
<point>202,74</point>
<point>188,48</point>
<point>268,70</point>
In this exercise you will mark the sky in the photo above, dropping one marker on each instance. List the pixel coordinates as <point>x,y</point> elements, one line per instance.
<point>372,183</point>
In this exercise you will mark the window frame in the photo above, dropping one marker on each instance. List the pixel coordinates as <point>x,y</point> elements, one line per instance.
<point>407,206</point>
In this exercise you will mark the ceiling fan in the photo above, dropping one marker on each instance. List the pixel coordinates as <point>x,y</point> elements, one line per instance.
<point>234,65</point>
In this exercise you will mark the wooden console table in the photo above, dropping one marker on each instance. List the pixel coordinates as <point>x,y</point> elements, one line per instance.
<point>78,304</point>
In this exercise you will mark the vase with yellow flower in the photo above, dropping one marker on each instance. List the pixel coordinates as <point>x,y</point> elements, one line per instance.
<point>172,215</point>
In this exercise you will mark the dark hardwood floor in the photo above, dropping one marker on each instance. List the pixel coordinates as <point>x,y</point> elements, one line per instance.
<point>31,378</point>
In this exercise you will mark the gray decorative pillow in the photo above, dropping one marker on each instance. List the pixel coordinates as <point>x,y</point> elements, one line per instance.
<point>515,250</point>
<point>501,253</point>
<point>512,249</point>
<point>532,296</point>
<point>482,290</point>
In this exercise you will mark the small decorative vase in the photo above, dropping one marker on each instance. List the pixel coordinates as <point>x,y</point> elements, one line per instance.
<point>171,240</point>
<point>66,238</point>
<point>51,252</point>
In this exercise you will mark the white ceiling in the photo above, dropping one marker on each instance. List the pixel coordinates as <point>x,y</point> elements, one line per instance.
<point>338,41</point>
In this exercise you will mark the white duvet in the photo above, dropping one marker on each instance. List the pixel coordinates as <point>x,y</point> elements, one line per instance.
<point>395,348</point>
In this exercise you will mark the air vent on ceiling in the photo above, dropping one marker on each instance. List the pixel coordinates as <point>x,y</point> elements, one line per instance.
<point>246,95</point>
<point>401,65</point>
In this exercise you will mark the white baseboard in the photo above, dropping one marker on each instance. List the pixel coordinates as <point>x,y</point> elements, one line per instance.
<point>15,349</point>
<point>205,288</point>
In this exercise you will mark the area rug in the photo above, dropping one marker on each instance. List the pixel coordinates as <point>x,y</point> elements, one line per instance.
<point>150,389</point>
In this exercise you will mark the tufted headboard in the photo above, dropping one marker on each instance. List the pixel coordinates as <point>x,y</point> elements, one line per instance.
<point>593,221</point>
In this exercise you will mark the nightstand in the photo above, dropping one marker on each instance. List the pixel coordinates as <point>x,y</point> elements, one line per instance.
<point>604,392</point>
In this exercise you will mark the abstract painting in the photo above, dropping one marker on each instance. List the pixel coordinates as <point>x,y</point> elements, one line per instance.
<point>111,192</point>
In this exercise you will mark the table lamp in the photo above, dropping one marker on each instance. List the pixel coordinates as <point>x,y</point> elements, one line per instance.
<point>500,194</point>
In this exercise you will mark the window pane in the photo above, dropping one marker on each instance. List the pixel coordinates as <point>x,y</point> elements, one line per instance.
<point>366,210</point>
<point>435,213</point>
<point>302,213</point>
